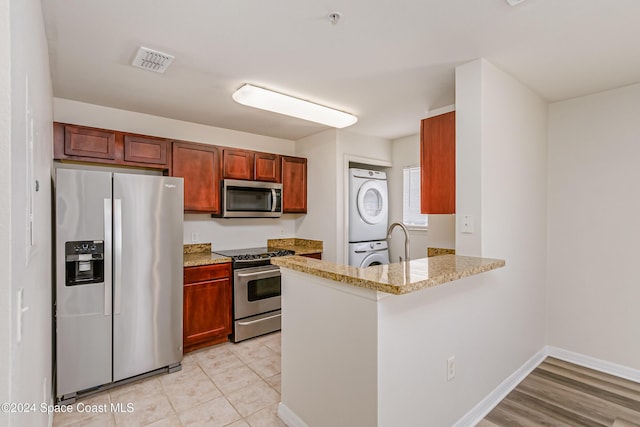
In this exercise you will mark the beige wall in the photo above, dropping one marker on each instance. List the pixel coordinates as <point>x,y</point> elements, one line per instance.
<point>492,323</point>
<point>594,206</point>
<point>5,208</point>
<point>30,266</point>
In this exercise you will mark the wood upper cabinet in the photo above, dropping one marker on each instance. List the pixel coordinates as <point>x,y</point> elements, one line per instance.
<point>86,144</point>
<point>237,164</point>
<point>266,167</point>
<point>294,184</point>
<point>199,165</point>
<point>207,305</point>
<point>143,149</point>
<point>438,164</point>
<point>89,142</point>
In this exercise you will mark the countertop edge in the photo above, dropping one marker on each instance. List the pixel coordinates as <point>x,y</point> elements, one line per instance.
<point>354,276</point>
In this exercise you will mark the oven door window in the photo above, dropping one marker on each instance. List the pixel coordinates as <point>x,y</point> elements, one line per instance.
<point>260,289</point>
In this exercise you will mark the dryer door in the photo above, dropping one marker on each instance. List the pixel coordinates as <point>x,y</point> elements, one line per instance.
<point>372,202</point>
<point>375,259</point>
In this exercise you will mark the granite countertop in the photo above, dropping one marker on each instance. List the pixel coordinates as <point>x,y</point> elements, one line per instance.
<point>200,254</point>
<point>397,278</point>
<point>299,246</point>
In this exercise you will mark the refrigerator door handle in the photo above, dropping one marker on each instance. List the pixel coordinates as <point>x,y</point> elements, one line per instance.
<point>108,220</point>
<point>117,255</point>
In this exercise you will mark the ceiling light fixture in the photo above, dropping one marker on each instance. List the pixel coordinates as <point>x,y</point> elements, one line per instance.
<point>265,99</point>
<point>514,2</point>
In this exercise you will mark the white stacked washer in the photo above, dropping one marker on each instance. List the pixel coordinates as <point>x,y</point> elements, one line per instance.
<point>368,217</point>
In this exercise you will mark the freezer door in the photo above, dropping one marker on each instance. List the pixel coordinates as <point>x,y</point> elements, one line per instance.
<point>82,311</point>
<point>148,247</point>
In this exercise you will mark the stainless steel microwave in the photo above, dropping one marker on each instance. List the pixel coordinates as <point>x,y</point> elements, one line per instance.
<point>251,199</point>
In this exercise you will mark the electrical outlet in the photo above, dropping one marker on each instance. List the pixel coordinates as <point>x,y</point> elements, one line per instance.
<point>467,224</point>
<point>282,232</point>
<point>451,368</point>
<point>194,236</point>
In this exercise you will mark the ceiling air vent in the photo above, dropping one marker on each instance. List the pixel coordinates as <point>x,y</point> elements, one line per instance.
<point>152,60</point>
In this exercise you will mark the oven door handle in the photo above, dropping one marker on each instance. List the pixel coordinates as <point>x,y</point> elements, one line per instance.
<point>259,274</point>
<point>252,322</point>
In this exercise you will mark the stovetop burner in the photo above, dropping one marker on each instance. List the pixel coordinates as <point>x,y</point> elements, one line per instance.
<point>254,253</point>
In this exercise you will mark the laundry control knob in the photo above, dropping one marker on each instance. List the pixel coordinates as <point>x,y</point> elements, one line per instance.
<point>371,245</point>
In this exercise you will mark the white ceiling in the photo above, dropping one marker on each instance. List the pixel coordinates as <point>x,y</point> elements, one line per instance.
<point>388,62</point>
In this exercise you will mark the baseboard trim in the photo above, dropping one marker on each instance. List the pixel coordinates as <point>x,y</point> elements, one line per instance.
<point>596,364</point>
<point>475,415</point>
<point>289,417</point>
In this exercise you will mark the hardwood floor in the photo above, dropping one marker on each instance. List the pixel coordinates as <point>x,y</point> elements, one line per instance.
<point>559,393</point>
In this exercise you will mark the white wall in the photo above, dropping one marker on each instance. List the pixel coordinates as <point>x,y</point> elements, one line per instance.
<point>501,180</point>
<point>321,220</point>
<point>222,233</point>
<point>441,231</point>
<point>593,287</point>
<point>5,208</point>
<point>30,268</point>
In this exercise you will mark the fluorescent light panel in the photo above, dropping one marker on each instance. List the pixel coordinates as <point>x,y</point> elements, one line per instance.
<point>265,99</point>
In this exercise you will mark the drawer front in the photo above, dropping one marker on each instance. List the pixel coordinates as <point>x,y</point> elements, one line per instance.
<point>206,272</point>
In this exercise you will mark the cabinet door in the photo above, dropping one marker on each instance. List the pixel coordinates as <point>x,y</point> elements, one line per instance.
<point>438,164</point>
<point>89,142</point>
<point>140,149</point>
<point>267,167</point>
<point>294,184</point>
<point>207,313</point>
<point>198,164</point>
<point>237,164</point>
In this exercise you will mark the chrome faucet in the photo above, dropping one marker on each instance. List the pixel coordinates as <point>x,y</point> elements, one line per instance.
<point>406,238</point>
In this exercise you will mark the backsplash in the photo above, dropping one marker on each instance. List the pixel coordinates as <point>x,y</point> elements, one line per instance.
<point>236,233</point>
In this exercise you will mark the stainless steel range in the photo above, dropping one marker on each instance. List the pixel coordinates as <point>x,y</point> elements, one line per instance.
<point>256,292</point>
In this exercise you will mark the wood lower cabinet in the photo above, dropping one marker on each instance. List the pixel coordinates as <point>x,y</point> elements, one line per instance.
<point>316,256</point>
<point>438,164</point>
<point>237,164</point>
<point>198,164</point>
<point>207,305</point>
<point>294,184</point>
<point>93,145</point>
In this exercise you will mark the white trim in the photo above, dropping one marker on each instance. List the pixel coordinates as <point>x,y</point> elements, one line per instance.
<point>289,417</point>
<point>475,415</point>
<point>596,364</point>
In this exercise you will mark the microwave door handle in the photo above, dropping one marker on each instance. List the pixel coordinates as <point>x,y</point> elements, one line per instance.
<point>273,199</point>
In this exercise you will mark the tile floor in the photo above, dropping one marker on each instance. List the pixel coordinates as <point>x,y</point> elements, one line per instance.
<point>235,385</point>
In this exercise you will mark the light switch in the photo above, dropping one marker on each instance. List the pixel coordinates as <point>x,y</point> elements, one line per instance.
<point>467,224</point>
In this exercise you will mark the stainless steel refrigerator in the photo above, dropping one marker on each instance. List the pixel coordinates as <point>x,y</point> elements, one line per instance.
<point>118,306</point>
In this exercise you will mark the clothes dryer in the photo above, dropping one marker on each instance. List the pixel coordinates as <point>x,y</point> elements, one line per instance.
<point>366,254</point>
<point>368,205</point>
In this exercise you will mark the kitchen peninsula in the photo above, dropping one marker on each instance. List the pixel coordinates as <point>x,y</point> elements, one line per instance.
<point>356,341</point>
